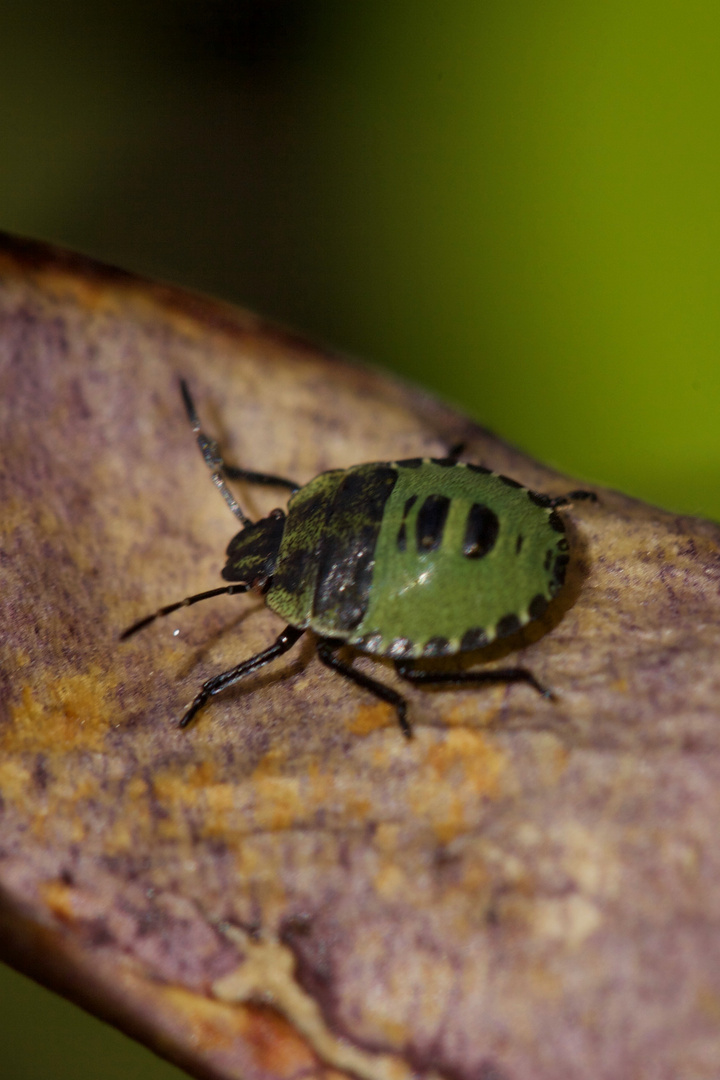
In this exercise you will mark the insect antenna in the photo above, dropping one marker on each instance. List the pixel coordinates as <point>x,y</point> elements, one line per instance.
<point>239,587</point>
<point>211,453</point>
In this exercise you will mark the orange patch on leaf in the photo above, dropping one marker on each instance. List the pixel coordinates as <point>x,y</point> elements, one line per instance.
<point>472,759</point>
<point>277,1046</point>
<point>59,899</point>
<point>68,714</point>
<point>369,718</point>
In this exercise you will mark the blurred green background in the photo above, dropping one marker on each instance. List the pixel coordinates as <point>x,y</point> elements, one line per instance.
<point>513,203</point>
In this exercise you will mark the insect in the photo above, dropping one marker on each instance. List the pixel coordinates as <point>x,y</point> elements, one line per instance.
<point>415,559</point>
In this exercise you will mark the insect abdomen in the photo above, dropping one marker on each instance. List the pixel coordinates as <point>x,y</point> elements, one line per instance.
<point>463,556</point>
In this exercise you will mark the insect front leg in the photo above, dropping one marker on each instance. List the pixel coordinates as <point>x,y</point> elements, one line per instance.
<point>213,686</point>
<point>232,472</point>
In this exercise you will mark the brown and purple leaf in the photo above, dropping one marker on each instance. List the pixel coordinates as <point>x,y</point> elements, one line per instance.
<point>526,890</point>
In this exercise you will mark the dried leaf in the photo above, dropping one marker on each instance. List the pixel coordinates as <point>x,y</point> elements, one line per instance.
<point>526,889</point>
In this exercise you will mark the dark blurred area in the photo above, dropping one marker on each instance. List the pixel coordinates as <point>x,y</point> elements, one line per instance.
<point>513,204</point>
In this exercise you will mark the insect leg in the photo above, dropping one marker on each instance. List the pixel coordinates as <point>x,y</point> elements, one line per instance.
<point>213,686</point>
<point>406,670</point>
<point>219,468</point>
<point>456,450</point>
<point>326,650</point>
<point>573,496</point>
<point>232,472</point>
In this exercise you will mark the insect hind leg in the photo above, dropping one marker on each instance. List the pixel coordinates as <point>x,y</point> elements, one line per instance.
<point>327,650</point>
<point>421,676</point>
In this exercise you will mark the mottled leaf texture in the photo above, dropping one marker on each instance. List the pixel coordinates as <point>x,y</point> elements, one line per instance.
<point>529,889</point>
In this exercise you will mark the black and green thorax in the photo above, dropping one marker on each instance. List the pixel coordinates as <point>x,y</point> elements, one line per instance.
<point>406,559</point>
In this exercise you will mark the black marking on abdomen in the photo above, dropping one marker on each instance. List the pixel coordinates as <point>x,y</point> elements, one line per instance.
<point>437,646</point>
<point>507,625</point>
<point>402,531</point>
<point>519,543</point>
<point>475,638</point>
<point>430,522</point>
<point>369,642</point>
<point>559,569</point>
<point>401,648</point>
<point>481,531</point>
<point>346,556</point>
<point>538,606</point>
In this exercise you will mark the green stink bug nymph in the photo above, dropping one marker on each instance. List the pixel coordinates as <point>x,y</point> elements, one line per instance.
<point>410,560</point>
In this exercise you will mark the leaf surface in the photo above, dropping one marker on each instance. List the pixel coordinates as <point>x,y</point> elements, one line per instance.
<point>289,888</point>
